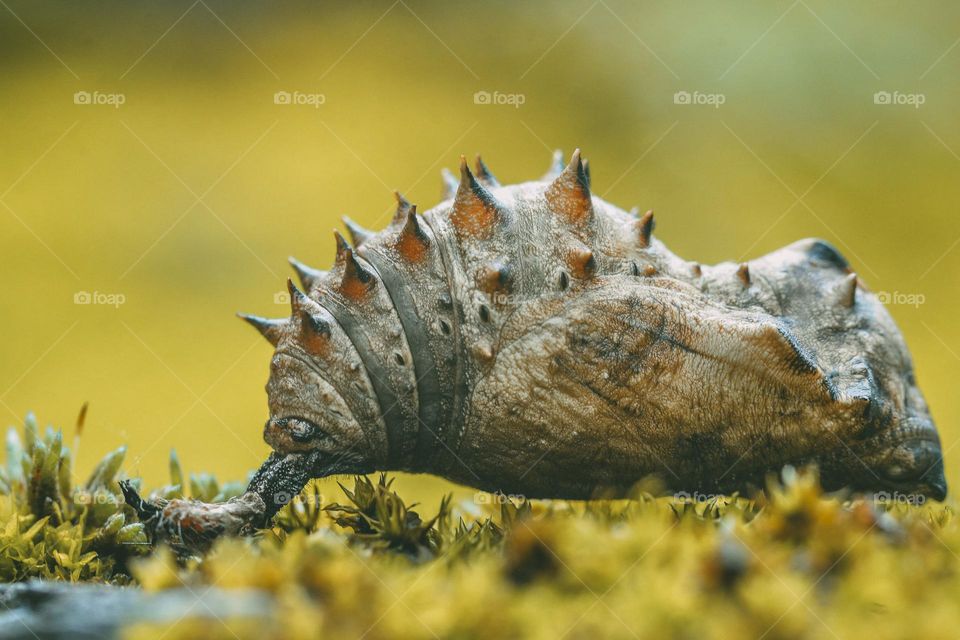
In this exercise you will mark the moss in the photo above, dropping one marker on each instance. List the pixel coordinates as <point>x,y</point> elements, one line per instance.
<point>796,563</point>
<point>52,528</point>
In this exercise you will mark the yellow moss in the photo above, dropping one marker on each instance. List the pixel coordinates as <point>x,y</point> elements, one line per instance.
<point>794,564</point>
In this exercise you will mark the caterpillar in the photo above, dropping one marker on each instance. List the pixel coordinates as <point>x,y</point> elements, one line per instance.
<point>536,340</point>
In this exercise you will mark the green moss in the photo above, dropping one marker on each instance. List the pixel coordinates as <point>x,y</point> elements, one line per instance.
<point>54,529</point>
<point>796,563</point>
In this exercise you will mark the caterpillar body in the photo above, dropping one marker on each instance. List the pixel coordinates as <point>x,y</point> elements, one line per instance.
<point>536,340</point>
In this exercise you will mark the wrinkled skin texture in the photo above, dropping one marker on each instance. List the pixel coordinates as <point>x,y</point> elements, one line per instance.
<point>578,353</point>
<point>536,340</point>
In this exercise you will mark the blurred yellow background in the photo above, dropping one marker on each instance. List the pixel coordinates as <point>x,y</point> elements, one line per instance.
<point>146,161</point>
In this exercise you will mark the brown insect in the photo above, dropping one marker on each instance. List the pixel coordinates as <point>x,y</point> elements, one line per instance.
<point>536,340</point>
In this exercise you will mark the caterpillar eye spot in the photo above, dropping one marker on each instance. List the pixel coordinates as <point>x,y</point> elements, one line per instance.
<point>484,312</point>
<point>564,281</point>
<point>399,359</point>
<point>445,327</point>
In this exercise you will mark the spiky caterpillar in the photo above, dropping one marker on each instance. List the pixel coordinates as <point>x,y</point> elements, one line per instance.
<point>536,340</point>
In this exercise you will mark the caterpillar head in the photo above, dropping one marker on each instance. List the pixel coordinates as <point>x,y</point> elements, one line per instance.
<point>307,413</point>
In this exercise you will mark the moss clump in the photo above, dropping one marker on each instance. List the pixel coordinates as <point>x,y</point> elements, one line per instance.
<point>54,527</point>
<point>793,563</point>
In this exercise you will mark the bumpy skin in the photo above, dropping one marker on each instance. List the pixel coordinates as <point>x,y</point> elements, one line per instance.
<point>536,340</point>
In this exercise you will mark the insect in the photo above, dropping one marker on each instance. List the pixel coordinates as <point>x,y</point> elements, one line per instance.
<point>536,340</point>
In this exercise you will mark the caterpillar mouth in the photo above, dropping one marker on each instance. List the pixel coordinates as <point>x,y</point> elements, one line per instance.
<point>291,434</point>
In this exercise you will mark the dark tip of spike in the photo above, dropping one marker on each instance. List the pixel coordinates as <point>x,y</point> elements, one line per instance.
<point>402,203</point>
<point>569,194</point>
<point>556,166</point>
<point>297,297</point>
<point>484,174</point>
<point>412,223</point>
<point>309,277</point>
<point>449,184</point>
<point>848,291</point>
<point>403,206</point>
<point>413,242</point>
<point>475,210</point>
<point>342,247</point>
<point>268,328</point>
<point>358,235</point>
<point>314,332</point>
<point>316,325</point>
<point>357,279</point>
<point>586,172</point>
<point>582,263</point>
<point>465,174</point>
<point>645,227</point>
<point>743,274</point>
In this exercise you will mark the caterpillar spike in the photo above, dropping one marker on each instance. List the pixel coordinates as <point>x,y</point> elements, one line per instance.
<point>569,194</point>
<point>269,328</point>
<point>308,276</point>
<point>357,233</point>
<point>484,175</point>
<point>476,212</point>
